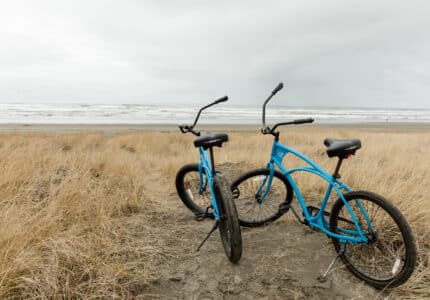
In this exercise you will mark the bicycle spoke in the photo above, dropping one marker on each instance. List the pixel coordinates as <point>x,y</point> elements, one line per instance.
<point>251,207</point>
<point>192,185</point>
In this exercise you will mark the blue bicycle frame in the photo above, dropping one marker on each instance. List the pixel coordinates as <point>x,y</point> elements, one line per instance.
<point>205,165</point>
<point>279,151</point>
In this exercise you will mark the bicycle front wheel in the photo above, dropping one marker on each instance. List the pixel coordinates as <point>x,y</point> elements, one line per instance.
<point>229,226</point>
<point>389,257</point>
<point>193,192</point>
<point>248,191</point>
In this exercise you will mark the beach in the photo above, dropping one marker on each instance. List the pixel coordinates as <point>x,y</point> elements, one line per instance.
<point>92,211</point>
<point>102,196</point>
<point>121,128</point>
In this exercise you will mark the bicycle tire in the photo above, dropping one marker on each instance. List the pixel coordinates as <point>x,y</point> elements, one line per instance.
<point>276,203</point>
<point>393,240</point>
<point>187,186</point>
<point>229,226</point>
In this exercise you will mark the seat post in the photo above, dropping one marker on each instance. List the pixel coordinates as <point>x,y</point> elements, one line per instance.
<point>212,160</point>
<point>336,171</point>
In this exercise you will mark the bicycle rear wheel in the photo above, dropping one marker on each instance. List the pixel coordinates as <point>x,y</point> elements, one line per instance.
<point>229,226</point>
<point>389,258</point>
<point>188,187</point>
<point>248,190</point>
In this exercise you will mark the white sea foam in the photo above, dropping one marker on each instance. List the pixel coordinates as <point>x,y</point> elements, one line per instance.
<point>151,114</point>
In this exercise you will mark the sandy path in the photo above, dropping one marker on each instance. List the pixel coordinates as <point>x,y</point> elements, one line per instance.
<point>282,260</point>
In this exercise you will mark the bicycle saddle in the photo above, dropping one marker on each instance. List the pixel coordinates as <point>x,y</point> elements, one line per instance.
<point>341,148</point>
<point>210,140</point>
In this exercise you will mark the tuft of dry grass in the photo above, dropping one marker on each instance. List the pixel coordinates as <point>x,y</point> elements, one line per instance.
<point>61,197</point>
<point>77,219</point>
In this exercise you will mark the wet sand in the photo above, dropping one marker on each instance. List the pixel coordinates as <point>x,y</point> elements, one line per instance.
<point>120,128</point>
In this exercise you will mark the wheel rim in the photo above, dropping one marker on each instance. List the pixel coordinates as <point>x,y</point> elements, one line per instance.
<point>191,188</point>
<point>248,201</point>
<point>383,258</point>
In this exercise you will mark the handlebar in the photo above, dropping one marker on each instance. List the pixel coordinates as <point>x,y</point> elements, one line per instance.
<point>266,129</point>
<point>295,122</point>
<point>304,121</point>
<point>278,88</point>
<point>190,128</point>
<point>186,128</point>
<point>275,90</point>
<point>222,99</point>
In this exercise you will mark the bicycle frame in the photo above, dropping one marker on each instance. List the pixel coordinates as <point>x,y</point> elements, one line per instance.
<point>205,165</point>
<point>279,151</point>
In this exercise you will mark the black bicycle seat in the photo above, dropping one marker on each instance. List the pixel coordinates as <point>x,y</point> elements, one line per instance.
<point>341,148</point>
<point>210,140</point>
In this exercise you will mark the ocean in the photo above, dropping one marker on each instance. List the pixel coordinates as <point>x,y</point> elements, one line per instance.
<point>222,114</point>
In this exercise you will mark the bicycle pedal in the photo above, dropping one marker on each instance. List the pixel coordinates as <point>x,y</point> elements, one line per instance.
<point>200,217</point>
<point>236,193</point>
<point>284,208</point>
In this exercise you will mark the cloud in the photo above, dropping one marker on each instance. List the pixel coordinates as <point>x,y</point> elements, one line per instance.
<point>331,53</point>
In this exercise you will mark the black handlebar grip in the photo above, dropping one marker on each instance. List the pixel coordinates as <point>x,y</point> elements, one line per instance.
<point>222,99</point>
<point>278,88</point>
<point>265,130</point>
<point>302,121</point>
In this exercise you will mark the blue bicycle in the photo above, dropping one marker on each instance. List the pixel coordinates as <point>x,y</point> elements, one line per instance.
<point>194,181</point>
<point>369,234</point>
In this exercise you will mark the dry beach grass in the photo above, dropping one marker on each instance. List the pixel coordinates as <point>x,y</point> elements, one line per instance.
<point>80,214</point>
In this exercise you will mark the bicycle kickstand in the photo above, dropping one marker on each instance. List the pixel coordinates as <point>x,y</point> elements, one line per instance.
<point>209,234</point>
<point>323,277</point>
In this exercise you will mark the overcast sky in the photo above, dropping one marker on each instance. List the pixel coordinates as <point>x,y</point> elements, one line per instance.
<point>328,53</point>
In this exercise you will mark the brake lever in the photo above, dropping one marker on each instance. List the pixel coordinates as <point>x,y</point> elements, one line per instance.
<point>187,128</point>
<point>266,130</point>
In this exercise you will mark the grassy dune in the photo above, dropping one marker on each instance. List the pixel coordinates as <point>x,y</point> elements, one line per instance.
<point>79,212</point>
